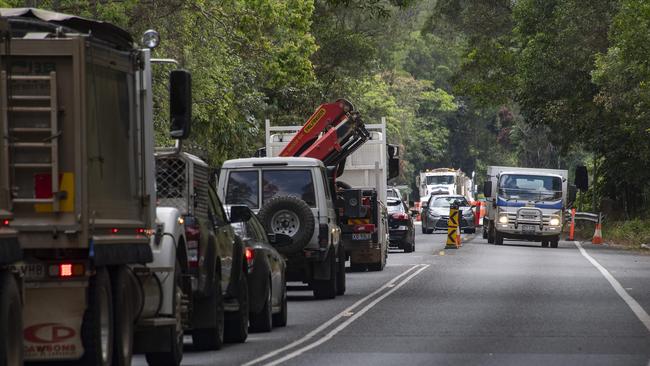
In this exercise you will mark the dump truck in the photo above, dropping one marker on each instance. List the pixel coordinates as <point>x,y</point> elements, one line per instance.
<point>443,181</point>
<point>95,262</point>
<point>359,172</point>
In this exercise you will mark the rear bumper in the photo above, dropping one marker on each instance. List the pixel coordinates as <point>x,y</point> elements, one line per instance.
<point>398,235</point>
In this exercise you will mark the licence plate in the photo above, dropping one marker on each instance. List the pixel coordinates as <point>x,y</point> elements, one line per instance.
<point>361,236</point>
<point>528,228</point>
<point>33,271</point>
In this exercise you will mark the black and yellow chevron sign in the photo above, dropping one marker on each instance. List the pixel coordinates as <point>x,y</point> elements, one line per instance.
<point>453,232</point>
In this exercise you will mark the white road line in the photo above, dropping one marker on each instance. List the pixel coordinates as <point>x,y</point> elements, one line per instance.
<point>345,324</point>
<point>629,300</point>
<point>338,316</point>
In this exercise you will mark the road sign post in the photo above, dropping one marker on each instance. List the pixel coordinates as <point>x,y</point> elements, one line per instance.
<point>453,228</point>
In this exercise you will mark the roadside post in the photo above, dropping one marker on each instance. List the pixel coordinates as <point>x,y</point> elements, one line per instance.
<point>453,230</point>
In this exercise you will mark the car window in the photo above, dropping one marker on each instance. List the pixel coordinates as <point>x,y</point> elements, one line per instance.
<point>215,210</point>
<point>394,206</point>
<point>243,188</point>
<point>446,201</point>
<point>296,183</point>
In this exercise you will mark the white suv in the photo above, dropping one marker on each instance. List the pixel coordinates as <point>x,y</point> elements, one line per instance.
<point>292,196</point>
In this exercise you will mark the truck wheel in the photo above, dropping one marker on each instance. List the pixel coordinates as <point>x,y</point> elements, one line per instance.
<point>555,241</point>
<point>379,266</point>
<point>236,323</point>
<point>357,267</point>
<point>11,322</point>
<point>174,356</point>
<point>97,328</point>
<point>544,243</point>
<point>424,231</point>
<point>280,319</point>
<point>485,235</point>
<point>326,289</point>
<point>263,321</point>
<point>498,238</point>
<point>340,275</point>
<point>123,319</point>
<point>291,216</point>
<point>209,339</point>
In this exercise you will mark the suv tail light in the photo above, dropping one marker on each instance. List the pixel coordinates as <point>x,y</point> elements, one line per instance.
<point>323,235</point>
<point>4,222</point>
<point>400,216</point>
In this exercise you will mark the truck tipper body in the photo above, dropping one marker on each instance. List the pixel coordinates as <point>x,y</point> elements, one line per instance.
<point>525,204</point>
<point>77,173</point>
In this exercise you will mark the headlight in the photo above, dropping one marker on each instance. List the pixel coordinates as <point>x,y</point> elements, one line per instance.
<point>554,221</point>
<point>503,219</point>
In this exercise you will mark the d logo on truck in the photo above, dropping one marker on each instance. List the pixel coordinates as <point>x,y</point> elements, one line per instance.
<point>48,333</point>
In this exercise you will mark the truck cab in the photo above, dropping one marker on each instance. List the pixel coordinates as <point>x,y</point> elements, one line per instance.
<point>526,204</point>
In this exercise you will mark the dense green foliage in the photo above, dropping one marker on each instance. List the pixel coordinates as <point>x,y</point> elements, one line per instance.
<point>462,83</point>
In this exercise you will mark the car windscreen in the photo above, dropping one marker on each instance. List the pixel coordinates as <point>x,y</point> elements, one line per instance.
<point>243,189</point>
<point>394,206</point>
<point>392,193</point>
<point>296,183</point>
<point>447,201</point>
<point>530,187</point>
<point>440,179</point>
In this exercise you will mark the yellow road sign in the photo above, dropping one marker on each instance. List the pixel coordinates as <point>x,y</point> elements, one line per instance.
<point>453,231</point>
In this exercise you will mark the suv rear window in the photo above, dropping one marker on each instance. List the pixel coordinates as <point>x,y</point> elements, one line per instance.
<point>394,206</point>
<point>243,188</point>
<point>296,183</point>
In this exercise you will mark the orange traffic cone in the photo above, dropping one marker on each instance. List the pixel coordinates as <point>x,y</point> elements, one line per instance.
<point>598,235</point>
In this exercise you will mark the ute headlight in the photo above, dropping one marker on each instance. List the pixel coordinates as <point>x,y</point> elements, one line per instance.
<point>151,39</point>
<point>554,221</point>
<point>503,219</point>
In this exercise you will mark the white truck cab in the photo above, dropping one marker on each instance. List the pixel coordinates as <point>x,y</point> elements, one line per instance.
<point>525,204</point>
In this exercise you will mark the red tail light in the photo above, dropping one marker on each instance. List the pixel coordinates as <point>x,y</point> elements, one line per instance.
<point>5,222</point>
<point>366,228</point>
<point>193,236</point>
<point>400,216</point>
<point>250,255</point>
<point>115,231</point>
<point>365,201</point>
<point>64,270</point>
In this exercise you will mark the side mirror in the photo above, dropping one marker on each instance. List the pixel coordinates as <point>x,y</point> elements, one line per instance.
<point>573,192</point>
<point>240,213</point>
<point>414,213</point>
<point>424,204</point>
<point>487,189</point>
<point>180,104</point>
<point>582,178</point>
<point>260,153</point>
<point>393,161</point>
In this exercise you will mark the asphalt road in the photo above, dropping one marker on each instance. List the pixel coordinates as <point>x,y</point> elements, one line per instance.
<point>516,304</point>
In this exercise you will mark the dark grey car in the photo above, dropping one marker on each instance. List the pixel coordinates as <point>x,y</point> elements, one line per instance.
<point>436,214</point>
<point>266,275</point>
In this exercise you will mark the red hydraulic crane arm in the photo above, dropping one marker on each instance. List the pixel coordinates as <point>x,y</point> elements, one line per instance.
<point>343,133</point>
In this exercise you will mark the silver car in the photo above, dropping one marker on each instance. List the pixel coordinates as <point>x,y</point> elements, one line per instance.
<point>436,213</point>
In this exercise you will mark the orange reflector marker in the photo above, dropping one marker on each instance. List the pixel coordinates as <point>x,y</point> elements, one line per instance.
<point>65,270</point>
<point>78,269</point>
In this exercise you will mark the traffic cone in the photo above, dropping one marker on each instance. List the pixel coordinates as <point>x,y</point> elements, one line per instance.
<point>598,235</point>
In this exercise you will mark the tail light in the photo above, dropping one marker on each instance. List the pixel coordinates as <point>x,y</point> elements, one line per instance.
<point>66,270</point>
<point>366,228</point>
<point>193,236</point>
<point>250,256</point>
<point>365,201</point>
<point>400,216</point>
<point>5,222</point>
<point>323,235</point>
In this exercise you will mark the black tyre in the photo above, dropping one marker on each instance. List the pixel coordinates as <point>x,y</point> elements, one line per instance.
<point>340,274</point>
<point>490,234</point>
<point>379,266</point>
<point>498,238</point>
<point>485,234</point>
<point>236,322</point>
<point>174,355</point>
<point>544,243</point>
<point>358,267</point>
<point>124,317</point>
<point>326,289</point>
<point>97,332</point>
<point>409,247</point>
<point>291,216</point>
<point>263,321</point>
<point>555,241</point>
<point>280,319</point>
<point>11,322</point>
<point>429,231</point>
<point>209,339</point>
<point>424,231</point>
